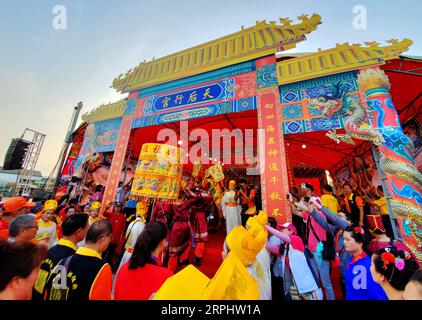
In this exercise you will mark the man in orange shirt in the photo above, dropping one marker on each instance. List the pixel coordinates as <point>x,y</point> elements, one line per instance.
<point>354,205</point>
<point>247,200</point>
<point>10,209</point>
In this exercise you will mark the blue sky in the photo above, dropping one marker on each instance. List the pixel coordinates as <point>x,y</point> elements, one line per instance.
<point>45,72</point>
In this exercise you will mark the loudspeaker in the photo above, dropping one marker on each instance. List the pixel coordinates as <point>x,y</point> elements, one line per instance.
<point>15,155</point>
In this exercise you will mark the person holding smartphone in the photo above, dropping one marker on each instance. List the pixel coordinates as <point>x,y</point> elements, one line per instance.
<point>315,237</point>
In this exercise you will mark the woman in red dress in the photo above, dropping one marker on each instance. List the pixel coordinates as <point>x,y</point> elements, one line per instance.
<point>141,277</point>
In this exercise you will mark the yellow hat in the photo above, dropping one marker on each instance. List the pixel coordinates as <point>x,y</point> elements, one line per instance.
<point>95,205</point>
<point>246,244</point>
<point>232,184</point>
<point>232,282</point>
<point>50,205</point>
<point>260,219</point>
<point>142,210</point>
<point>187,284</point>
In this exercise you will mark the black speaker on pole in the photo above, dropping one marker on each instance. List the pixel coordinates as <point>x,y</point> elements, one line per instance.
<point>15,155</point>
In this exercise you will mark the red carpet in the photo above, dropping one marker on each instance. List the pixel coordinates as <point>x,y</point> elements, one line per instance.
<point>212,257</point>
<point>335,279</point>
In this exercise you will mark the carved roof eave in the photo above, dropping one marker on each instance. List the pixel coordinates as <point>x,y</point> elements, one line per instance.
<point>250,43</point>
<point>342,58</point>
<point>106,112</point>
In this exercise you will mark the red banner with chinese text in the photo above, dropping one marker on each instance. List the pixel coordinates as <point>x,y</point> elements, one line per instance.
<point>274,177</point>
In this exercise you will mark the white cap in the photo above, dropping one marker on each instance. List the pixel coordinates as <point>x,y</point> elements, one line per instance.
<point>26,194</point>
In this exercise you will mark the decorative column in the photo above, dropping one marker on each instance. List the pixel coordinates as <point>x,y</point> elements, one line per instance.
<point>404,181</point>
<point>120,152</point>
<point>273,165</point>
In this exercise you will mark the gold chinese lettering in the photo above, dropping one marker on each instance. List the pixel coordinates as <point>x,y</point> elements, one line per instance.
<point>274,180</point>
<point>193,96</point>
<point>166,102</point>
<point>271,140</point>
<point>273,167</point>
<point>178,99</point>
<point>275,196</point>
<point>273,152</point>
<point>270,128</point>
<point>269,117</point>
<point>276,212</point>
<point>269,106</point>
<point>207,94</point>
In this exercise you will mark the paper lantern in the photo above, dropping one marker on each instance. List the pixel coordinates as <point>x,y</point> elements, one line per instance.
<point>159,172</point>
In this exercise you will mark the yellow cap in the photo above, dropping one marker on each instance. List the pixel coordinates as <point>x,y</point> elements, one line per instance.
<point>246,244</point>
<point>187,284</point>
<point>262,218</point>
<point>142,210</point>
<point>232,282</point>
<point>232,184</point>
<point>50,205</point>
<point>95,205</point>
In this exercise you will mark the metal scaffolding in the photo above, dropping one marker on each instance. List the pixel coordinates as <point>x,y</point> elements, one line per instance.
<point>24,178</point>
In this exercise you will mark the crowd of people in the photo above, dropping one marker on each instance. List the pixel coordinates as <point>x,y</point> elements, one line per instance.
<point>132,249</point>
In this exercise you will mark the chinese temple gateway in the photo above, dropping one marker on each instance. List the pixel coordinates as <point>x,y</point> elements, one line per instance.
<point>322,110</point>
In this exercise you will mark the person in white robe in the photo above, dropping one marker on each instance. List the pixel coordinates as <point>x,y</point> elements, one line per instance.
<point>231,208</point>
<point>134,230</point>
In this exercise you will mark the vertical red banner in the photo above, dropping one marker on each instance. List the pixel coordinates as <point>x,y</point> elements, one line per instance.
<point>274,177</point>
<point>118,161</point>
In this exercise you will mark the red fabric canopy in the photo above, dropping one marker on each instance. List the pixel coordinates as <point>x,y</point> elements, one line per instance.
<point>320,151</point>
<point>241,120</point>
<point>405,76</point>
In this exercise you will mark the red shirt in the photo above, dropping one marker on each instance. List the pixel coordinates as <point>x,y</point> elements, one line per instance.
<point>139,283</point>
<point>118,223</point>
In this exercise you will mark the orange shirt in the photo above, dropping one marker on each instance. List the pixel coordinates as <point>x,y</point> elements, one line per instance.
<point>4,229</point>
<point>250,203</point>
<point>359,202</point>
<point>101,288</point>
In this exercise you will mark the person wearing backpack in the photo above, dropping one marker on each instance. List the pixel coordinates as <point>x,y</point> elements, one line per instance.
<point>335,229</point>
<point>299,280</point>
<point>315,237</point>
<point>74,229</point>
<point>88,276</point>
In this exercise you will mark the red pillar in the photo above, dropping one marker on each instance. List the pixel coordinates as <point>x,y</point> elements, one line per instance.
<point>273,164</point>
